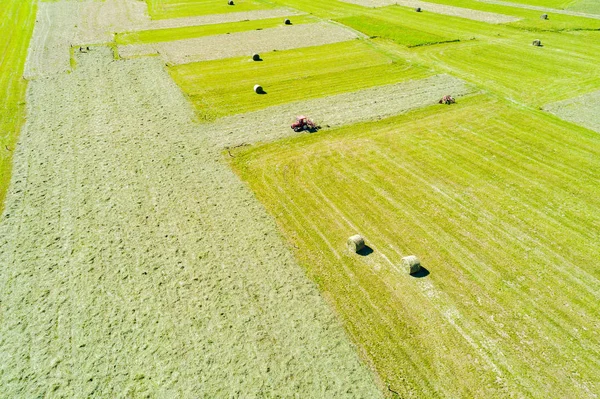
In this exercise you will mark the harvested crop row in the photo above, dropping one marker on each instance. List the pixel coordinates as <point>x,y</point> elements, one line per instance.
<point>242,43</point>
<point>343,109</point>
<point>583,110</point>
<point>475,15</point>
<point>135,262</point>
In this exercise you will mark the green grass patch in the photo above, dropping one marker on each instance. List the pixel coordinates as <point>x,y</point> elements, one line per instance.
<point>189,32</point>
<point>375,27</point>
<point>224,87</point>
<point>501,206</point>
<point>163,9</point>
<point>18,18</point>
<point>563,68</point>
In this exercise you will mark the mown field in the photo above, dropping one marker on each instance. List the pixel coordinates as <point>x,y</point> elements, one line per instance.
<point>201,282</point>
<point>16,25</point>
<point>224,87</point>
<point>499,203</point>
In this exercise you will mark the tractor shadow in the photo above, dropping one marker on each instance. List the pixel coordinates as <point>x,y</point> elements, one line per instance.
<point>366,251</point>
<point>423,272</point>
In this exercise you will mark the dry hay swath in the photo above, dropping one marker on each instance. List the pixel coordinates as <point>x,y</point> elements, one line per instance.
<point>356,243</point>
<point>467,13</point>
<point>236,44</point>
<point>411,264</point>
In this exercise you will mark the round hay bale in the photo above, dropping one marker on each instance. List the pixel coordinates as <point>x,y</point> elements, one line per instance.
<point>287,21</point>
<point>418,9</point>
<point>411,264</point>
<point>255,57</point>
<point>544,16</point>
<point>258,89</point>
<point>537,43</point>
<point>356,243</point>
<point>230,2</point>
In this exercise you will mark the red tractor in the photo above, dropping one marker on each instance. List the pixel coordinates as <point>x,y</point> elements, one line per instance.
<point>448,99</point>
<point>304,123</point>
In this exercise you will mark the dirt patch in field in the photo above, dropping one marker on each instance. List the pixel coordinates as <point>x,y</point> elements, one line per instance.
<point>242,43</point>
<point>63,24</point>
<point>539,8</point>
<point>475,15</point>
<point>343,109</point>
<point>582,110</point>
<point>135,263</point>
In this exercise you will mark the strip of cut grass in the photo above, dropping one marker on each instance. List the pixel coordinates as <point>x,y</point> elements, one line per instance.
<point>163,9</point>
<point>190,32</point>
<point>501,206</point>
<point>16,28</point>
<point>225,87</point>
<point>376,27</point>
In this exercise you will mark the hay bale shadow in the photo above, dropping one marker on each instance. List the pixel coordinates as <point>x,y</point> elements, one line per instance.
<point>423,272</point>
<point>366,251</point>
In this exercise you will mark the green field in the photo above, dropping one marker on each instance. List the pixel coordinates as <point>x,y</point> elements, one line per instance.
<point>163,9</point>
<point>16,27</point>
<point>500,204</point>
<point>224,87</point>
<point>375,27</point>
<point>189,32</point>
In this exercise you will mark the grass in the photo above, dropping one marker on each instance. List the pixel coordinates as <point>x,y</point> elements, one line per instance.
<point>376,27</point>
<point>500,203</point>
<point>224,87</point>
<point>16,28</point>
<point>163,9</point>
<point>527,74</point>
<point>189,32</point>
